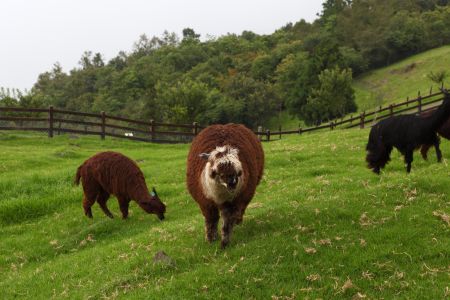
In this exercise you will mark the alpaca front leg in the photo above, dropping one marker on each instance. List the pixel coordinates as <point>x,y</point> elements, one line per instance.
<point>438,151</point>
<point>211,230</point>
<point>124,205</point>
<point>102,198</point>
<point>408,160</point>
<point>211,214</point>
<point>227,227</point>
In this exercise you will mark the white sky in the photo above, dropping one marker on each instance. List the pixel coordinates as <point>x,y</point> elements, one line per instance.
<point>34,34</point>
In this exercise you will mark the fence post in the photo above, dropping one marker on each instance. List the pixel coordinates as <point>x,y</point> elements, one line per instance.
<point>279,130</point>
<point>259,130</point>
<point>50,122</point>
<point>195,130</point>
<point>299,130</point>
<point>152,129</point>
<point>362,116</point>
<point>391,110</point>
<point>103,125</point>
<point>419,106</point>
<point>407,101</point>
<point>331,125</point>
<point>268,134</point>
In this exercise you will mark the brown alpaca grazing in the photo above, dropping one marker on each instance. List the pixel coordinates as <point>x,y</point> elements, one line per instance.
<point>113,173</point>
<point>443,131</point>
<point>224,166</point>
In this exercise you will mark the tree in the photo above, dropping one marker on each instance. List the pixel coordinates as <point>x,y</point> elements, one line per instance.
<point>189,35</point>
<point>333,98</point>
<point>438,77</point>
<point>294,78</point>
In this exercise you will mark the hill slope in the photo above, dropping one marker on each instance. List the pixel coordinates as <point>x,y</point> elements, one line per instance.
<point>391,84</point>
<point>400,80</point>
<point>320,226</point>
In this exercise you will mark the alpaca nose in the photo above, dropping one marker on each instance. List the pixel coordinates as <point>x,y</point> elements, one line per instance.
<point>232,183</point>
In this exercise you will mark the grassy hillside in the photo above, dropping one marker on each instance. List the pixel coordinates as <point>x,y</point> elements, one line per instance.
<point>392,84</point>
<point>320,226</point>
<point>400,80</point>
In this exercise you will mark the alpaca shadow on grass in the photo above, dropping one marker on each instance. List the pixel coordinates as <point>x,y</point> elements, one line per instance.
<point>265,224</point>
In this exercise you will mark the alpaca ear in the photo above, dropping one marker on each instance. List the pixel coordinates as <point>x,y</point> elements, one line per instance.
<point>205,156</point>
<point>444,91</point>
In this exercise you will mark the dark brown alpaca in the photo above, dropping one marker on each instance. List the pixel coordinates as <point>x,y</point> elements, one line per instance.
<point>224,166</point>
<point>443,131</point>
<point>109,173</point>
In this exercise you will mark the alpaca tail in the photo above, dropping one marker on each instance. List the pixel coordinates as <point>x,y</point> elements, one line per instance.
<point>78,176</point>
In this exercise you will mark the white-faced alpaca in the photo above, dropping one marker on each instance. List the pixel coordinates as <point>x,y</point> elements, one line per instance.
<point>224,166</point>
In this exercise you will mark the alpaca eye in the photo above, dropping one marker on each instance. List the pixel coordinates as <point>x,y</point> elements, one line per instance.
<point>239,173</point>
<point>213,174</point>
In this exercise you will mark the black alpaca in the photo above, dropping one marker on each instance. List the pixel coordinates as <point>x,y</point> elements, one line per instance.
<point>406,133</point>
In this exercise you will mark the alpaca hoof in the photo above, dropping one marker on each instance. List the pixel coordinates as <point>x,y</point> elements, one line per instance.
<point>224,244</point>
<point>110,216</point>
<point>88,214</point>
<point>211,237</point>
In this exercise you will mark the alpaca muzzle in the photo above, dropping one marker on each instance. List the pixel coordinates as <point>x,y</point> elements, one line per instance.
<point>232,183</point>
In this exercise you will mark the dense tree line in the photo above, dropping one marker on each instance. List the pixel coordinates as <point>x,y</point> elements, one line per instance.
<point>306,68</point>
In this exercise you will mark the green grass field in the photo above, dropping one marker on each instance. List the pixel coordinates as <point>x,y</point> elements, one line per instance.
<point>320,226</point>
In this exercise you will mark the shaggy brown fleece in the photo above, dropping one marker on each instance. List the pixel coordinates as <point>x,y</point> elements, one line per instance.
<point>241,184</point>
<point>113,173</point>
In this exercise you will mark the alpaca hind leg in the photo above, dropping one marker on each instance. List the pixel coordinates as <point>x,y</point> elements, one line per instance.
<point>87,204</point>
<point>424,151</point>
<point>101,199</point>
<point>240,211</point>
<point>211,214</point>
<point>91,189</point>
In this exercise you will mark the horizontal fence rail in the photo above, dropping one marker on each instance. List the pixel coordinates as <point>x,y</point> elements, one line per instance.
<point>419,105</point>
<point>57,121</point>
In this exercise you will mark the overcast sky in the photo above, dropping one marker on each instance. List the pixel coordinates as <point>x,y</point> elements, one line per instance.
<point>34,34</point>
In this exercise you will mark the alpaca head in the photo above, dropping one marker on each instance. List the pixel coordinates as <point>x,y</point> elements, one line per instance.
<point>224,167</point>
<point>154,206</point>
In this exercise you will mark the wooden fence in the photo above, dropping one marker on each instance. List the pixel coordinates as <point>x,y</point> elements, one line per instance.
<point>418,105</point>
<point>56,121</point>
